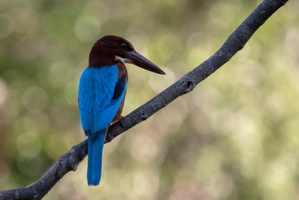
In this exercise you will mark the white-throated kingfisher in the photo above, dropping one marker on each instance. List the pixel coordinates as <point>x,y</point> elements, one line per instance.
<point>102,91</point>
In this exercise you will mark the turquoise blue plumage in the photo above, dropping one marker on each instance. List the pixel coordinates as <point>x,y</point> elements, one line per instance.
<point>98,107</point>
<point>102,90</point>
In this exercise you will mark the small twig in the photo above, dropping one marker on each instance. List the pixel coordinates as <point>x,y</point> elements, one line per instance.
<point>72,159</point>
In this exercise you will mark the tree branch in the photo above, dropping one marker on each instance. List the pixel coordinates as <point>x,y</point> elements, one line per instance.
<point>235,42</point>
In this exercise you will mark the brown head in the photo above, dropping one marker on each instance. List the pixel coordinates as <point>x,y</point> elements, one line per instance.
<point>110,50</point>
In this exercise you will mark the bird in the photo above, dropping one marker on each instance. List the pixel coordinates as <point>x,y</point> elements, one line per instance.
<point>101,94</point>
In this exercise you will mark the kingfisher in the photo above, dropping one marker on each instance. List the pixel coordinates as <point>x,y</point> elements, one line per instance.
<point>101,95</point>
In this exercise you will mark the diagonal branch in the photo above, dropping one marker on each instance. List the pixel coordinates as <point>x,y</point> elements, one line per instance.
<point>235,42</point>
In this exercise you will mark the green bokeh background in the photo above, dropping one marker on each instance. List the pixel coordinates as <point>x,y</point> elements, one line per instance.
<point>234,137</point>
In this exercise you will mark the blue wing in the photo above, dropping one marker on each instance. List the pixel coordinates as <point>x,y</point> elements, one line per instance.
<point>100,96</point>
<point>96,103</point>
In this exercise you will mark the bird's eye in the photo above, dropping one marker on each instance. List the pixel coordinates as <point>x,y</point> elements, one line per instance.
<point>125,46</point>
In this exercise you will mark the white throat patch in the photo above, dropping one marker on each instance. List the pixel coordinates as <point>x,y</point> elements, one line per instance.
<point>123,60</point>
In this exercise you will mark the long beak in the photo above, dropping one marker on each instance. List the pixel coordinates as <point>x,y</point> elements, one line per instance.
<point>139,60</point>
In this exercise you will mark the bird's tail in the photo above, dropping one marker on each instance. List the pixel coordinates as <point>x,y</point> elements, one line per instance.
<point>95,148</point>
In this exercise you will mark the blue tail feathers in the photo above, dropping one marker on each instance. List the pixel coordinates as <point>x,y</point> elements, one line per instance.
<point>95,149</point>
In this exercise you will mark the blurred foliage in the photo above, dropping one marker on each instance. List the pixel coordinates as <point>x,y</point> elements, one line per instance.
<point>234,137</point>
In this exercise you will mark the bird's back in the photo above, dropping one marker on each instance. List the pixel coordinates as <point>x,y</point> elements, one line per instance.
<point>96,103</point>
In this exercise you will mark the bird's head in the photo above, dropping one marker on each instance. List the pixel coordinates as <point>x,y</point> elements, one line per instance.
<point>110,50</point>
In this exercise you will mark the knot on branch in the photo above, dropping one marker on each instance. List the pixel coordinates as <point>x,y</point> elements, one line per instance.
<point>188,85</point>
<point>144,115</point>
